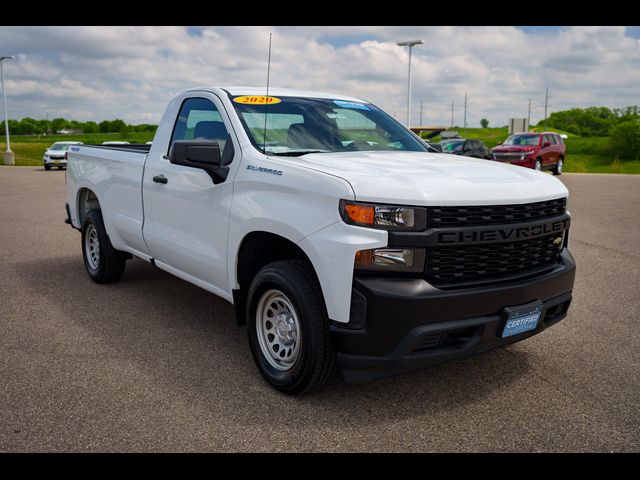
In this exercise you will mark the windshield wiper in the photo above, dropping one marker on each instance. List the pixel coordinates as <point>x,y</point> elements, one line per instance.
<point>295,153</point>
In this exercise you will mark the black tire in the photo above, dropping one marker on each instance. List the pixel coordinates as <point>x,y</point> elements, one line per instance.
<point>47,166</point>
<point>315,365</point>
<point>110,262</point>
<point>557,170</point>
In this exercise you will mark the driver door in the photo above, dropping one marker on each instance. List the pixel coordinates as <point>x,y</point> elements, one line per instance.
<point>186,215</point>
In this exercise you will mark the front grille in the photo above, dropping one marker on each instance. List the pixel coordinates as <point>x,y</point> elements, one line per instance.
<point>494,214</point>
<point>508,156</point>
<point>484,263</point>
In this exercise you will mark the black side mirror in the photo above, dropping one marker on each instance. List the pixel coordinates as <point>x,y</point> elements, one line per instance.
<point>203,154</point>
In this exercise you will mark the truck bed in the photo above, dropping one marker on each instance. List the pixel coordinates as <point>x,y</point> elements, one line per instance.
<point>132,147</point>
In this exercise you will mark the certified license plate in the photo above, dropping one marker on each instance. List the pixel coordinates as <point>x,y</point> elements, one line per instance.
<point>522,319</point>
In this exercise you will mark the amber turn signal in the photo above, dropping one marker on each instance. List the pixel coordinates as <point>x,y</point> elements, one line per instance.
<point>360,213</point>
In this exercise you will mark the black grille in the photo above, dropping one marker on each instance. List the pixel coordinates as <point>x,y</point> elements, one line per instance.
<point>494,214</point>
<point>484,263</point>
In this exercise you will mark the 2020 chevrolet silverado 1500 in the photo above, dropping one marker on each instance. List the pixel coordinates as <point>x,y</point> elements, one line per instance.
<point>339,238</point>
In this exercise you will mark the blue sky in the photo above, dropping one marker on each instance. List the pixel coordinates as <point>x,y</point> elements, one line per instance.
<point>93,73</point>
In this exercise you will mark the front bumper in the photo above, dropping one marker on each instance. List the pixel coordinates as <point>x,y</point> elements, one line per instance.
<point>408,324</point>
<point>55,161</point>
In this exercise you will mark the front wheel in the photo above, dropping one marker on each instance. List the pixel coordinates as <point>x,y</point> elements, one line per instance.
<point>288,328</point>
<point>47,166</point>
<point>558,168</point>
<point>104,263</point>
<point>537,165</point>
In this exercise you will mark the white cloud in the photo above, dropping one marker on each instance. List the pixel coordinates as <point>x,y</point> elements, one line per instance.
<point>92,73</point>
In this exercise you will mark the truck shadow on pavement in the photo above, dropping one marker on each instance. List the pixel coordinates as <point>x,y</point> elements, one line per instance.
<point>186,340</point>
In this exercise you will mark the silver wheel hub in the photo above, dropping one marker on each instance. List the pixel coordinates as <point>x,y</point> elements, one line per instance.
<point>92,247</point>
<point>278,330</point>
<point>560,162</point>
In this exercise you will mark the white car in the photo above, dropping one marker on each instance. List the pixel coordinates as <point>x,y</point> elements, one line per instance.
<point>115,142</point>
<point>56,155</point>
<point>341,240</point>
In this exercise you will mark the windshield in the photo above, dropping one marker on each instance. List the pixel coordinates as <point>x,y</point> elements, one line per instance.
<point>453,145</point>
<point>296,126</point>
<point>522,140</point>
<point>60,146</point>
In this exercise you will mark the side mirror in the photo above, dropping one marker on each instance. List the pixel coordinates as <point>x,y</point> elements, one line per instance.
<point>203,154</point>
<point>546,144</point>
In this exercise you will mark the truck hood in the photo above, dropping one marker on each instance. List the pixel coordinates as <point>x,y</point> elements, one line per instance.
<point>421,178</point>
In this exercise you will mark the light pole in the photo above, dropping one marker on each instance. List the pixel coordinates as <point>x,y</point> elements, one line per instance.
<point>410,44</point>
<point>8,155</point>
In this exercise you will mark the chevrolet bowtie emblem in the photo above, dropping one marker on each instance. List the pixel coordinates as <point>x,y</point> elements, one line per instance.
<point>557,241</point>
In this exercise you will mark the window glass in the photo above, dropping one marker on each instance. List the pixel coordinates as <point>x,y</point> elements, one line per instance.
<point>199,119</point>
<point>297,126</point>
<point>525,139</point>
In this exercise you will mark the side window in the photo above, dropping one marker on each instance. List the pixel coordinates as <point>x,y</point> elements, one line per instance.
<point>548,138</point>
<point>199,119</point>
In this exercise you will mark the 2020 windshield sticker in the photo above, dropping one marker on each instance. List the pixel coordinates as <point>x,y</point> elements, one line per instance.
<point>264,170</point>
<point>348,104</point>
<point>257,100</point>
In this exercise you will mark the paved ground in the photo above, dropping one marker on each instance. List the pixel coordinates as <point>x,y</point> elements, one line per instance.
<point>153,363</point>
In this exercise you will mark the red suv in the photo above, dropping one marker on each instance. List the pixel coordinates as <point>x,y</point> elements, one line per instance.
<point>542,151</point>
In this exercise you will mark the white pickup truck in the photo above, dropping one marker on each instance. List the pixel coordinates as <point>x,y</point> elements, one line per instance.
<point>339,238</point>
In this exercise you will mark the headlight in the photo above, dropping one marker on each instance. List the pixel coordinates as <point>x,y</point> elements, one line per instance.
<point>384,217</point>
<point>391,260</point>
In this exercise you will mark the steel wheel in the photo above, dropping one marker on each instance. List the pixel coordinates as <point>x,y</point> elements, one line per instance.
<point>538,165</point>
<point>278,330</point>
<point>92,247</point>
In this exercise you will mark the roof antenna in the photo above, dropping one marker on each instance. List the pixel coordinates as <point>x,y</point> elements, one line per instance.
<point>266,101</point>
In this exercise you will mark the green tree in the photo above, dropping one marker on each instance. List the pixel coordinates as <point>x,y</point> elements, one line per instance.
<point>117,125</point>
<point>484,123</point>
<point>90,127</point>
<point>625,140</point>
<point>57,124</point>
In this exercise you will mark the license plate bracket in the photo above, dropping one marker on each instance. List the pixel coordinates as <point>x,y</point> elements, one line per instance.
<point>521,318</point>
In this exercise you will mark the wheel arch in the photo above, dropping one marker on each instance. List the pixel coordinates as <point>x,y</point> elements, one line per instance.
<point>257,249</point>
<point>86,200</point>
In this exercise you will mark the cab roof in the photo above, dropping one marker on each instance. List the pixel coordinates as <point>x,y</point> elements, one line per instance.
<point>281,92</point>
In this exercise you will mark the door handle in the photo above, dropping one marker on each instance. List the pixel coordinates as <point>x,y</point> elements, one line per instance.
<point>160,179</point>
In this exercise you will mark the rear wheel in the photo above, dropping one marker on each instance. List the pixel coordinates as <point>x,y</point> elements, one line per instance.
<point>559,166</point>
<point>538,164</point>
<point>104,263</point>
<point>288,328</point>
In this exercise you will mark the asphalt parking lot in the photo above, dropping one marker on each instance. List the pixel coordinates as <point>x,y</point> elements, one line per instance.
<point>153,363</point>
